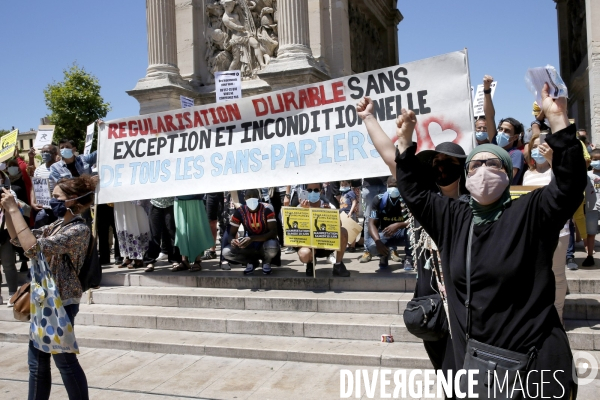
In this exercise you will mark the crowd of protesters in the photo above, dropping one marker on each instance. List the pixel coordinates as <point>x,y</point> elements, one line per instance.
<point>437,193</point>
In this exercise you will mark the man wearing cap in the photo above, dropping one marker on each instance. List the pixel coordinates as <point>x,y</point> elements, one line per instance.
<point>447,163</point>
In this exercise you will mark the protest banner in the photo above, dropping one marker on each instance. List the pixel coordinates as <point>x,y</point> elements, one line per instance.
<point>8,143</point>
<point>41,190</point>
<point>89,138</point>
<point>518,191</point>
<point>228,85</point>
<point>44,136</point>
<point>186,102</point>
<point>318,228</point>
<point>284,137</point>
<point>478,101</point>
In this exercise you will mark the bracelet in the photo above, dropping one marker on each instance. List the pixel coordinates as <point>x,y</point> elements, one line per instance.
<point>22,230</point>
<point>487,91</point>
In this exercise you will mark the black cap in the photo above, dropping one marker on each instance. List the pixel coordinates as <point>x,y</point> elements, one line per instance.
<point>447,148</point>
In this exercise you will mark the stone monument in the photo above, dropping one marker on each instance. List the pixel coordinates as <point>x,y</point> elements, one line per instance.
<point>579,51</point>
<point>274,43</point>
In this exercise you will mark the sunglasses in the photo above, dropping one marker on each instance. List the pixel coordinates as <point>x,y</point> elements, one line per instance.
<point>313,190</point>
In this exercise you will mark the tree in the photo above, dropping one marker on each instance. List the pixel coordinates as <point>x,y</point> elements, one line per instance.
<point>74,104</point>
<point>4,132</point>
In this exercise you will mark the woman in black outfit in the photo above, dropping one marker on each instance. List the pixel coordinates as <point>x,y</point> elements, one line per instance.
<point>512,284</point>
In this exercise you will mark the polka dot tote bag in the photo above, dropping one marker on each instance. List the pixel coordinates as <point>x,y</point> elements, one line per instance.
<point>51,330</point>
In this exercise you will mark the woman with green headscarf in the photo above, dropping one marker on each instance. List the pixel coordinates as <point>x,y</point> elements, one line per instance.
<point>508,305</point>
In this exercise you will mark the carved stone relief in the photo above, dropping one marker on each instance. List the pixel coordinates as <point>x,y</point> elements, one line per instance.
<point>241,35</point>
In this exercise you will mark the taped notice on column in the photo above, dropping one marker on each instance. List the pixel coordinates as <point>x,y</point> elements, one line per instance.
<point>228,85</point>
<point>311,227</point>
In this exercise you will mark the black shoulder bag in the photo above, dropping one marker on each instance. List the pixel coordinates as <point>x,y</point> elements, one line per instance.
<point>497,367</point>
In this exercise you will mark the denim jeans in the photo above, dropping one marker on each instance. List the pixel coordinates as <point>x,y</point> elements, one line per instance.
<point>571,247</point>
<point>400,238</point>
<point>40,378</point>
<point>265,251</point>
<point>373,191</point>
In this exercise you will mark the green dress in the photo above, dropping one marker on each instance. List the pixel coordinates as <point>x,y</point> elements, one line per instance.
<point>193,234</point>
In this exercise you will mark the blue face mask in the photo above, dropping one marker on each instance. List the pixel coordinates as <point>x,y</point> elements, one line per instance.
<point>58,207</point>
<point>66,153</point>
<point>313,197</point>
<point>252,204</point>
<point>595,164</point>
<point>481,136</point>
<point>539,159</point>
<point>344,189</point>
<point>393,192</point>
<point>502,139</point>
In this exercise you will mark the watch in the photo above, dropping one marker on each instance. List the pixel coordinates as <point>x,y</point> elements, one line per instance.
<point>487,91</point>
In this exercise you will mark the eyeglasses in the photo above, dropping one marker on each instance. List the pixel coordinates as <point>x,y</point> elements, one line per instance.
<point>494,163</point>
<point>313,190</point>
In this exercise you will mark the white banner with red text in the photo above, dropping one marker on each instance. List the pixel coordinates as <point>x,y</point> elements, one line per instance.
<point>305,134</point>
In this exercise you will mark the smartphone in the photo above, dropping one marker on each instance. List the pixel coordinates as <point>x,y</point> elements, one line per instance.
<point>302,195</point>
<point>543,137</point>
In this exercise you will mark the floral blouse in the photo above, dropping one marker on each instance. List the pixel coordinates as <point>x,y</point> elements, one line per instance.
<point>72,239</point>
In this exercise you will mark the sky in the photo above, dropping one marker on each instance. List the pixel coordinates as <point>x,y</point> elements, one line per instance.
<point>41,38</point>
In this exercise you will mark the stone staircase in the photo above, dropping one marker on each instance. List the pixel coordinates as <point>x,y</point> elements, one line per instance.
<point>286,318</point>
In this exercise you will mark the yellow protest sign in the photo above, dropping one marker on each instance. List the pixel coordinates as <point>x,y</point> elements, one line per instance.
<point>518,191</point>
<point>7,145</point>
<point>318,228</point>
<point>296,227</point>
<point>326,228</point>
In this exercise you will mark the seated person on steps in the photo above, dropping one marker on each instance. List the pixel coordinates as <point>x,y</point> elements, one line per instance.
<point>305,254</point>
<point>260,240</point>
<point>388,226</point>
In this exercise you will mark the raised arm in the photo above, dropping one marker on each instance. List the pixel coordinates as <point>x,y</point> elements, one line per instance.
<point>381,141</point>
<point>488,108</point>
<point>560,199</point>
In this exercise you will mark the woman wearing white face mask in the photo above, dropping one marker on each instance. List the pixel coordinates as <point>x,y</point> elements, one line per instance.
<point>497,255</point>
<point>540,174</point>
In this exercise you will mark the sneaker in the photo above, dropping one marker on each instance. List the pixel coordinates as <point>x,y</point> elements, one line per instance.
<point>408,265</point>
<point>309,269</point>
<point>289,250</point>
<point>572,265</point>
<point>394,256</point>
<point>332,257</point>
<point>351,249</point>
<point>225,266</point>
<point>588,262</point>
<point>209,255</point>
<point>249,269</point>
<point>339,269</point>
<point>365,258</point>
<point>162,257</point>
<point>266,268</point>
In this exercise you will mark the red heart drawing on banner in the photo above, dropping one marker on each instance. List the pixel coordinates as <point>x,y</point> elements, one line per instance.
<point>435,130</point>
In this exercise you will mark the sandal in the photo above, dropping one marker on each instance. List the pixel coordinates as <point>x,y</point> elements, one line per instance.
<point>182,266</point>
<point>136,264</point>
<point>149,268</point>
<point>196,266</point>
<point>125,263</point>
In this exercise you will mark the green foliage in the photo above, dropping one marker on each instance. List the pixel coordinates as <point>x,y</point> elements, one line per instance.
<point>4,132</point>
<point>75,103</point>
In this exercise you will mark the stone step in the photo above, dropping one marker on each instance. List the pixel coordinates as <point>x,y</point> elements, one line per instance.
<point>249,299</point>
<point>577,306</point>
<point>253,322</point>
<point>313,350</point>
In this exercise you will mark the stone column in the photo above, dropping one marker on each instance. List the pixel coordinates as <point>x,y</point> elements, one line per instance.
<point>162,38</point>
<point>160,89</point>
<point>592,11</point>
<point>294,53</point>
<point>294,29</point>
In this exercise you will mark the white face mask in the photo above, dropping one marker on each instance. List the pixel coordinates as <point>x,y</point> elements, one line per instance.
<point>13,171</point>
<point>252,204</point>
<point>2,166</point>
